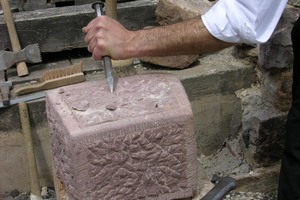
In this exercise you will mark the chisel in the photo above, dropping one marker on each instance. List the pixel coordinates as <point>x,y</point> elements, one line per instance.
<point>108,70</point>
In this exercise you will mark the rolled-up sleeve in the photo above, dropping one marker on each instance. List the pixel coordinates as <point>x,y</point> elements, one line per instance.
<point>243,21</point>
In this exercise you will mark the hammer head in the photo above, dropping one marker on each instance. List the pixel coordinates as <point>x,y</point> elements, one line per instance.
<point>30,54</point>
<point>6,84</point>
<point>4,89</point>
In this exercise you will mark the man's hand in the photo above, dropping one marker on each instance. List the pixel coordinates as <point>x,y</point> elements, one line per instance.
<point>107,37</point>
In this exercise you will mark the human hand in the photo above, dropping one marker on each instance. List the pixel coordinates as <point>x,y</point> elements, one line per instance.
<point>107,37</point>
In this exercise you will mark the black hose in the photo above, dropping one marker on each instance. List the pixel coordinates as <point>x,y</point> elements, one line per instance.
<point>221,189</point>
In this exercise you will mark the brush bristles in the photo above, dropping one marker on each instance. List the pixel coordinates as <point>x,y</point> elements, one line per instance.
<point>57,73</point>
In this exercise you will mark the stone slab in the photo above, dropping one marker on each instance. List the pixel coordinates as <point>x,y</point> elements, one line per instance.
<point>137,142</point>
<point>60,28</point>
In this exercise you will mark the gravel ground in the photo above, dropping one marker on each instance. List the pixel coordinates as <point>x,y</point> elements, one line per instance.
<point>251,196</point>
<point>50,195</point>
<point>47,193</point>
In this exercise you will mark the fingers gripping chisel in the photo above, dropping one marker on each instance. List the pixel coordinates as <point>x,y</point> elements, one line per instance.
<point>109,74</point>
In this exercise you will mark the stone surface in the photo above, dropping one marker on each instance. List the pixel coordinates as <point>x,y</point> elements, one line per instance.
<point>177,62</point>
<point>276,61</point>
<point>263,129</point>
<point>172,11</point>
<point>277,52</point>
<point>60,28</point>
<point>277,88</point>
<point>217,117</point>
<point>145,148</point>
<point>295,3</point>
<point>14,166</point>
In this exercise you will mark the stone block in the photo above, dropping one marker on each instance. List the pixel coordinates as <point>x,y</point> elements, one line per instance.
<point>277,52</point>
<point>173,11</point>
<point>135,143</point>
<point>263,129</point>
<point>217,117</point>
<point>177,62</point>
<point>276,88</point>
<point>263,140</point>
<point>275,59</point>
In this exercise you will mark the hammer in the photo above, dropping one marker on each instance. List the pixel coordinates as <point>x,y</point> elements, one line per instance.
<point>30,54</point>
<point>4,89</point>
<point>21,66</point>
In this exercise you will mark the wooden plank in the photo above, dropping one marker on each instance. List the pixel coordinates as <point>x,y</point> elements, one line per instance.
<point>60,190</point>
<point>57,29</point>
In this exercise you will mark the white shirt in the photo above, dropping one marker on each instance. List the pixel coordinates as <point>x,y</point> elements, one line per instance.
<point>243,21</point>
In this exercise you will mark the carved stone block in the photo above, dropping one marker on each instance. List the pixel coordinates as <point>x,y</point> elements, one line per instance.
<point>135,143</point>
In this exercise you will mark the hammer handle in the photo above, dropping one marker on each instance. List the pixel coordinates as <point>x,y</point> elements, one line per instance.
<point>15,43</point>
<point>28,143</point>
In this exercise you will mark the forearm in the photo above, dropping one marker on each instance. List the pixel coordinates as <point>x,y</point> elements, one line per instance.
<point>188,37</point>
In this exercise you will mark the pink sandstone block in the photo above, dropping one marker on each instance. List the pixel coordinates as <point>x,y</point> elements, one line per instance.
<point>135,143</point>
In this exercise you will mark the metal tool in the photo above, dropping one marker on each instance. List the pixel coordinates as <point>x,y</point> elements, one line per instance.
<point>5,91</point>
<point>21,66</point>
<point>108,70</point>
<point>25,98</point>
<point>223,187</point>
<point>4,88</point>
<point>30,54</point>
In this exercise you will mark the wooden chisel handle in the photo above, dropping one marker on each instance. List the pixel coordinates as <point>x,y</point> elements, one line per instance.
<point>21,66</point>
<point>111,9</point>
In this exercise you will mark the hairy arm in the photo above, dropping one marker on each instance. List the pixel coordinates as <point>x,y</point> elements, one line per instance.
<point>188,37</point>
<point>106,36</point>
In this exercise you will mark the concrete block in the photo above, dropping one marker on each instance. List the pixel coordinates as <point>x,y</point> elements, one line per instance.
<point>135,143</point>
<point>217,117</point>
